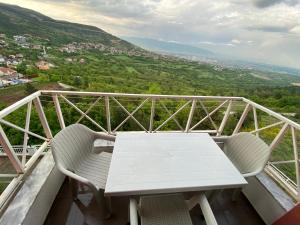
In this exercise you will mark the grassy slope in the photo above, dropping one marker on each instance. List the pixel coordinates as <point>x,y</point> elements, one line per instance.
<point>12,94</point>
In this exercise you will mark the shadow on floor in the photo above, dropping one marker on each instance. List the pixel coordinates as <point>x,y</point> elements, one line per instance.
<point>85,211</point>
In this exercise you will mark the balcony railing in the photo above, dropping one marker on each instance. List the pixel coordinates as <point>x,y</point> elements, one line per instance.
<point>113,112</point>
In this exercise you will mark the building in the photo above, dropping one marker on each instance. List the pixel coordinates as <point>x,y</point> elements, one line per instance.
<point>3,43</point>
<point>69,59</point>
<point>19,39</point>
<point>2,60</point>
<point>43,65</point>
<point>4,71</point>
<point>36,47</point>
<point>4,83</point>
<point>19,56</point>
<point>7,75</point>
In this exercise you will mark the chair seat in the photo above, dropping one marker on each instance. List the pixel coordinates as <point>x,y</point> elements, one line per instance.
<point>95,168</point>
<point>164,210</point>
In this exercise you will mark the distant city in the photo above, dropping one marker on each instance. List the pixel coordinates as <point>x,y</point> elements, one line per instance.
<point>194,53</point>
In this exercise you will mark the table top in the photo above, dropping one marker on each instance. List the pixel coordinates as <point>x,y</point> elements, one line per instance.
<point>156,163</point>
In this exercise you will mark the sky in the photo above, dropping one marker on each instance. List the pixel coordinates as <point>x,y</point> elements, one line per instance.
<point>266,31</point>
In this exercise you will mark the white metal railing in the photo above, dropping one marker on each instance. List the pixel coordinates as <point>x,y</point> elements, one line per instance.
<point>19,150</point>
<point>182,111</point>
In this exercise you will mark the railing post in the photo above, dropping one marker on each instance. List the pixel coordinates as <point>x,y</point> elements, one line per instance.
<point>189,121</point>
<point>10,152</point>
<point>152,114</point>
<point>225,118</point>
<point>43,119</point>
<point>25,141</point>
<point>294,137</point>
<point>242,119</point>
<point>58,112</point>
<point>107,112</point>
<point>279,137</point>
<point>255,121</point>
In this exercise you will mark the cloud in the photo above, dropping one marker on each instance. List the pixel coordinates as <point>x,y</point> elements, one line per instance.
<point>122,8</point>
<point>235,41</point>
<point>270,28</point>
<point>268,3</point>
<point>295,30</point>
<point>261,30</point>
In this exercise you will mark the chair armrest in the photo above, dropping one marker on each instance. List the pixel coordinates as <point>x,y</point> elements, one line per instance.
<point>75,176</point>
<point>206,210</point>
<point>133,212</point>
<point>101,145</point>
<point>220,139</point>
<point>252,174</point>
<point>104,136</point>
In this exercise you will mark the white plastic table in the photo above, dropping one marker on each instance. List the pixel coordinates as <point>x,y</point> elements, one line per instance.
<point>156,163</point>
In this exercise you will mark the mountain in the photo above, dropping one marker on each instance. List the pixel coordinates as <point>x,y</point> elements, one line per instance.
<point>201,54</point>
<point>15,20</point>
<point>169,47</point>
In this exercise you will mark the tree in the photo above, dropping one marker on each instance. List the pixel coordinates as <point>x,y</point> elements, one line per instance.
<point>77,81</point>
<point>29,88</point>
<point>21,68</point>
<point>86,81</point>
<point>154,88</point>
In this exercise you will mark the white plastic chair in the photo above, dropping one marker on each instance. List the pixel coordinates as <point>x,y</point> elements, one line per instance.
<point>72,149</point>
<point>247,152</point>
<point>168,210</point>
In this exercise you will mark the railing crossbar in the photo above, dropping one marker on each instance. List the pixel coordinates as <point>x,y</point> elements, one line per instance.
<point>267,127</point>
<point>82,113</point>
<point>210,114</point>
<point>172,116</point>
<point>138,123</point>
<point>22,129</point>
<point>131,115</point>
<point>89,109</point>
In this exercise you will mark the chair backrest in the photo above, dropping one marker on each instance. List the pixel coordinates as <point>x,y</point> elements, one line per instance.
<point>71,145</point>
<point>248,152</point>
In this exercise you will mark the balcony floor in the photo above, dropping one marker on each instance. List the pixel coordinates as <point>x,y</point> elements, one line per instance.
<point>65,211</point>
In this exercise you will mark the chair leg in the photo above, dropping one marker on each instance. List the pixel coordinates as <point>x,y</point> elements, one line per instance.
<point>212,195</point>
<point>108,205</point>
<point>74,188</point>
<point>236,194</point>
<point>102,202</point>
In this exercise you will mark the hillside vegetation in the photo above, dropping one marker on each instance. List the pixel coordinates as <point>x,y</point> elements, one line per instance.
<point>113,65</point>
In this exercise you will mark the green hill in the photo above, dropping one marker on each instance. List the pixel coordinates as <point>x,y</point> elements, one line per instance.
<point>16,20</point>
